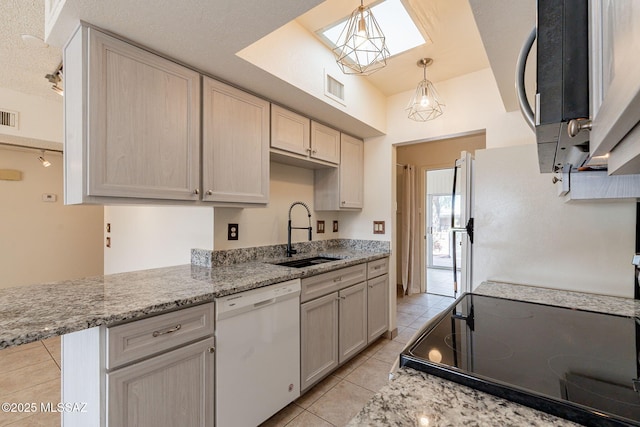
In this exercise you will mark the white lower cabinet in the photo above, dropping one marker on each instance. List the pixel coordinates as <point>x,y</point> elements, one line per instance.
<point>377,307</point>
<point>173,389</point>
<point>338,318</point>
<point>352,321</point>
<point>318,339</point>
<point>154,372</point>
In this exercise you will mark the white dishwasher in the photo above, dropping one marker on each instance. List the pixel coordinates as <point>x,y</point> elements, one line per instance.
<point>257,353</point>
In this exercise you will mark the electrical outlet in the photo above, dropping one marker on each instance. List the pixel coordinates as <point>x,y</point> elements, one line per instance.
<point>335,226</point>
<point>232,231</point>
<point>378,227</point>
<point>320,227</point>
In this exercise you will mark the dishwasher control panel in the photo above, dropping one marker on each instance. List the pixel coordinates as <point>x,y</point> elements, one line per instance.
<point>256,298</point>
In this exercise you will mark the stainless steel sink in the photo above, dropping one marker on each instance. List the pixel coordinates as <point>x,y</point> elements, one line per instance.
<point>306,262</point>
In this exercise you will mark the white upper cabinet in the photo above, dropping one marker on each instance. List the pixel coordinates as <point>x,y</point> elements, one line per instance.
<point>300,141</point>
<point>325,143</point>
<point>615,83</point>
<point>290,132</point>
<point>352,173</point>
<point>132,122</point>
<point>235,145</point>
<point>342,188</point>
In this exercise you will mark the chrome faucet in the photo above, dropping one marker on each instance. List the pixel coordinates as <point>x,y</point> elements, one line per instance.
<point>290,250</point>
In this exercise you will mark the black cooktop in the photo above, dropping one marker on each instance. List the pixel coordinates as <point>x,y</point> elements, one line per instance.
<point>579,365</point>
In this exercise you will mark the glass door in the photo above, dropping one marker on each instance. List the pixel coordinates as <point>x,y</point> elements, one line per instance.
<point>439,249</point>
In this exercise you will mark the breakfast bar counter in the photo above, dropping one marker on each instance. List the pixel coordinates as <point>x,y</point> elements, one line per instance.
<point>35,312</point>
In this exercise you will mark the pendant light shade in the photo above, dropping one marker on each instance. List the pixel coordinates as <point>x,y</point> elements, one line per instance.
<point>361,47</point>
<point>425,103</point>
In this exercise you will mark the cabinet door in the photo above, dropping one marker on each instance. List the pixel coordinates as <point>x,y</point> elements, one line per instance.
<point>174,389</point>
<point>144,123</point>
<point>290,131</point>
<point>351,172</point>
<point>318,339</point>
<point>353,320</point>
<point>235,145</point>
<point>615,87</point>
<point>325,143</point>
<point>377,307</point>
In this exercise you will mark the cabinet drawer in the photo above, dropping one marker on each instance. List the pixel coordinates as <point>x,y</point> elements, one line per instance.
<point>323,284</point>
<point>377,268</point>
<point>142,338</point>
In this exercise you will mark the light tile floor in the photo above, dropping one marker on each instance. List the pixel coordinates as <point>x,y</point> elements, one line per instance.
<point>31,373</point>
<point>339,397</point>
<point>440,281</point>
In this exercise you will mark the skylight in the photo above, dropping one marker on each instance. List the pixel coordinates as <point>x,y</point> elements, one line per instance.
<point>401,33</point>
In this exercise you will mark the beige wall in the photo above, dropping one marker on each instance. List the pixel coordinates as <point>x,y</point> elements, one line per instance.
<point>440,153</point>
<point>268,226</point>
<point>42,241</point>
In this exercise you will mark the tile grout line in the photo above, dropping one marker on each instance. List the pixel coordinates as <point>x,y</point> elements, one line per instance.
<point>51,355</point>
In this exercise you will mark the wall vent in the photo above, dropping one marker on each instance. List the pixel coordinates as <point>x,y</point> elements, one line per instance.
<point>8,119</point>
<point>334,89</point>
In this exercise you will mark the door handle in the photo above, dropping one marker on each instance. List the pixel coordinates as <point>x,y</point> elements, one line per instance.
<point>176,328</point>
<point>467,229</point>
<point>521,64</point>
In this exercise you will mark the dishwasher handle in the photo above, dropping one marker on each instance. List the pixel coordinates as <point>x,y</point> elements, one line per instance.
<point>264,303</point>
<point>256,299</point>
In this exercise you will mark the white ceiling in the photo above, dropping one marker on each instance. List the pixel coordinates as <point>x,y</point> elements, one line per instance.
<point>207,34</point>
<point>23,66</point>
<point>455,46</point>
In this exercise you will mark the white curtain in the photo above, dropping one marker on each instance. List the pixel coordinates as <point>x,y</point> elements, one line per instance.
<point>410,262</point>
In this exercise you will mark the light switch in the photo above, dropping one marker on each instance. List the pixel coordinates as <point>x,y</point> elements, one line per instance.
<point>378,227</point>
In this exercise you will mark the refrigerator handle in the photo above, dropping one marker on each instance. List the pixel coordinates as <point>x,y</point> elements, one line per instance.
<point>454,229</point>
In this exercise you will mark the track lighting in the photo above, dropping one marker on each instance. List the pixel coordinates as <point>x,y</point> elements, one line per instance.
<point>56,79</point>
<point>46,163</point>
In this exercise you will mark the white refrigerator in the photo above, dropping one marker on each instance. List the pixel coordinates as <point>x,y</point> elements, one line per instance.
<point>524,233</point>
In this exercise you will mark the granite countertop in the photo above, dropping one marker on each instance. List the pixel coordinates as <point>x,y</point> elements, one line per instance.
<point>35,312</point>
<point>415,398</point>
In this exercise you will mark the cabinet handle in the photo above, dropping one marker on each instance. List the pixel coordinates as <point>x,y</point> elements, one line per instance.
<point>308,150</point>
<point>377,267</point>
<point>209,192</point>
<point>314,151</point>
<point>342,297</point>
<point>168,331</point>
<point>211,349</point>
<point>370,286</point>
<point>337,279</point>
<point>344,202</point>
<point>196,191</point>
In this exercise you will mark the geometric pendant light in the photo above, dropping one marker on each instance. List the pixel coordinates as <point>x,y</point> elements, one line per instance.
<point>425,103</point>
<point>361,48</point>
